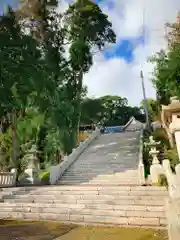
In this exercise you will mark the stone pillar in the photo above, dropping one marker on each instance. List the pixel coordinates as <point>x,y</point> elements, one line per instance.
<point>173,218</point>
<point>173,203</point>
<point>33,165</point>
<point>177,138</point>
<point>14,171</point>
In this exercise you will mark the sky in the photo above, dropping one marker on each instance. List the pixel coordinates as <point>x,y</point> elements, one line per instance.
<point>116,71</point>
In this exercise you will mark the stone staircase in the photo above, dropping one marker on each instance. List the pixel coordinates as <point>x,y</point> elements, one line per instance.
<point>110,159</point>
<point>100,187</point>
<point>112,205</point>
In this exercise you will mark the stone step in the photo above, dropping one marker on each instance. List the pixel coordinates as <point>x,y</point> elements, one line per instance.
<point>85,197</point>
<point>100,164</point>
<point>74,173</point>
<point>88,219</point>
<point>99,178</point>
<point>80,188</point>
<point>84,211</point>
<point>155,202</point>
<point>78,217</point>
<point>76,206</point>
<point>89,195</point>
<point>79,182</point>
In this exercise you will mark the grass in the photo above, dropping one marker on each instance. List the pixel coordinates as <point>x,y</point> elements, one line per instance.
<point>32,230</point>
<point>105,233</point>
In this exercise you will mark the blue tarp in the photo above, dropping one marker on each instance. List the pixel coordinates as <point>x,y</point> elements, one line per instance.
<point>112,129</point>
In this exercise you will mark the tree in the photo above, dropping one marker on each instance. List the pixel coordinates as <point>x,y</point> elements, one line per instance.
<point>19,68</point>
<point>38,78</point>
<point>88,28</point>
<point>82,37</point>
<point>166,76</point>
<point>173,36</point>
<point>152,108</point>
<point>91,111</point>
<point>51,35</point>
<point>112,110</point>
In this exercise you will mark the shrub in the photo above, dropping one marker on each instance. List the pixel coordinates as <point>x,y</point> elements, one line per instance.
<point>147,159</point>
<point>44,177</point>
<point>161,135</point>
<point>173,157</point>
<point>162,180</point>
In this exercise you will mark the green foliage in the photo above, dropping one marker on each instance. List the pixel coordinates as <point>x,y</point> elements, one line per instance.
<point>161,135</point>
<point>147,158</point>
<point>41,90</point>
<point>28,126</point>
<point>44,176</point>
<point>152,108</point>
<point>162,180</point>
<point>172,156</point>
<point>166,75</point>
<point>114,110</point>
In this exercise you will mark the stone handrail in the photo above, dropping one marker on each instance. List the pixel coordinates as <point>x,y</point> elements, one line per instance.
<point>8,179</point>
<point>57,171</point>
<point>173,179</point>
<point>173,202</point>
<point>141,164</point>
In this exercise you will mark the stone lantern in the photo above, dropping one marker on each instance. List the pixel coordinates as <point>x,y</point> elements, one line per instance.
<point>156,169</point>
<point>33,165</point>
<point>172,111</point>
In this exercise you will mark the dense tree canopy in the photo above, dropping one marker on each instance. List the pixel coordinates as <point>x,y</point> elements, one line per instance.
<point>166,77</point>
<point>41,88</point>
<point>110,110</point>
<point>152,106</point>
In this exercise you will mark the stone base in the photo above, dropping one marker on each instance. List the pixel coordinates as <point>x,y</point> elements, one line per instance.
<point>31,176</point>
<point>155,171</point>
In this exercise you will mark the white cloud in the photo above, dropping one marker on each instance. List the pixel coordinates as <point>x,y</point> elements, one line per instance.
<point>115,76</point>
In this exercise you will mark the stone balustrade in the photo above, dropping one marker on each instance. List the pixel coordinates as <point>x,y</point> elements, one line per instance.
<point>173,202</point>
<point>57,171</point>
<point>141,164</point>
<point>8,179</point>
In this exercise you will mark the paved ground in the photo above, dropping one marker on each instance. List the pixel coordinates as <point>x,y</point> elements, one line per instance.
<point>13,230</point>
<point>113,156</point>
<point>103,233</point>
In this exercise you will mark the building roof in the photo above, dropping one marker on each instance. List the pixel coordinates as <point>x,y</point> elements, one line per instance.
<point>133,124</point>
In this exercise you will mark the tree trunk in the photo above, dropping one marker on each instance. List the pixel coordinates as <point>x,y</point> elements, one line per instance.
<point>79,100</point>
<point>14,143</point>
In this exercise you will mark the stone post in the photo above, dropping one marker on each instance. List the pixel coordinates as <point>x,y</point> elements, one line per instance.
<point>156,169</point>
<point>172,111</point>
<point>14,171</point>
<point>173,218</point>
<point>175,129</point>
<point>31,171</point>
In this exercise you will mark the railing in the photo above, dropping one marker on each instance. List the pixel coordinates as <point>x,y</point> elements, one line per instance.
<point>173,179</point>
<point>8,179</point>
<point>173,202</point>
<point>141,164</point>
<point>57,171</point>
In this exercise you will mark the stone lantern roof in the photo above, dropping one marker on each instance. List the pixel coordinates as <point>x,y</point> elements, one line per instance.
<point>173,107</point>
